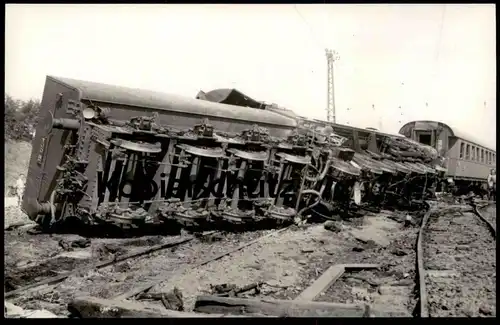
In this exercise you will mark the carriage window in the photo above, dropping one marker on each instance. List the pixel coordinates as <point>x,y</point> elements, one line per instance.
<point>494,159</point>
<point>467,152</point>
<point>477,155</point>
<point>473,153</point>
<point>482,155</point>
<point>462,150</point>
<point>489,158</point>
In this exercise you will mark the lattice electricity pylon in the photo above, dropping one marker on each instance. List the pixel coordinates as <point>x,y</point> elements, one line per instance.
<point>331,57</point>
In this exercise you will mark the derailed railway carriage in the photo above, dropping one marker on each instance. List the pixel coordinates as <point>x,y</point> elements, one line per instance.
<point>467,160</point>
<point>104,147</point>
<point>111,155</point>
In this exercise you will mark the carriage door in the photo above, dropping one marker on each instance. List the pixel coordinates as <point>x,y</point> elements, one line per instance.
<point>427,137</point>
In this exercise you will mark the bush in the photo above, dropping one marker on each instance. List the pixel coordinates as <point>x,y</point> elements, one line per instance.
<point>20,118</point>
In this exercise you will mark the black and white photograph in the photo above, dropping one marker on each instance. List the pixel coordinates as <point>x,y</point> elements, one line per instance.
<point>312,160</point>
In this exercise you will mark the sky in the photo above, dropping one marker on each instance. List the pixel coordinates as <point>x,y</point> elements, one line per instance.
<point>397,63</point>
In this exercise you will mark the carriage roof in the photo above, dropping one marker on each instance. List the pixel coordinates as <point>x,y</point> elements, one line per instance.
<point>118,95</point>
<point>454,132</point>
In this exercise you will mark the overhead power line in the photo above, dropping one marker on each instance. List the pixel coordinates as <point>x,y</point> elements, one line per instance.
<point>437,53</point>
<point>316,39</point>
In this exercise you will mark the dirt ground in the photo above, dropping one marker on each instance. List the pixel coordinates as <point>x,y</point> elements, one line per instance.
<point>389,290</point>
<point>287,263</point>
<point>106,282</point>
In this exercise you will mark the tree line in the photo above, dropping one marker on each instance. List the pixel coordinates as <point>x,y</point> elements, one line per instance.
<point>21,117</point>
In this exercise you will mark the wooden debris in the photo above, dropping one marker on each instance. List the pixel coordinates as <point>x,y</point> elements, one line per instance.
<point>222,288</point>
<point>360,266</point>
<point>252,286</point>
<point>324,282</point>
<point>138,290</point>
<point>91,307</point>
<point>171,300</point>
<point>99,265</point>
<point>18,225</point>
<point>231,290</point>
<point>279,308</point>
<point>328,278</point>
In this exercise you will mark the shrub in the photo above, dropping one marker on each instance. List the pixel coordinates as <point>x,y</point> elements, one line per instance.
<point>20,118</point>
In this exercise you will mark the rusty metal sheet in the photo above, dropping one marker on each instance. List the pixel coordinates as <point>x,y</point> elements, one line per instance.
<point>426,168</point>
<point>303,160</point>
<point>249,155</point>
<point>375,164</point>
<point>367,165</point>
<point>204,152</point>
<point>384,167</point>
<point>345,167</point>
<point>422,169</point>
<point>395,166</point>
<point>415,168</point>
<point>402,168</point>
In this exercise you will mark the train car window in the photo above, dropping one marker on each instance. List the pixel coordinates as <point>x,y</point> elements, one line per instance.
<point>494,159</point>
<point>467,152</point>
<point>477,154</point>
<point>482,156</point>
<point>462,150</point>
<point>425,139</point>
<point>473,153</point>
<point>489,158</point>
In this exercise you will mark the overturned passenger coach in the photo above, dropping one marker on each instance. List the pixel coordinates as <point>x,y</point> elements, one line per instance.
<point>123,156</point>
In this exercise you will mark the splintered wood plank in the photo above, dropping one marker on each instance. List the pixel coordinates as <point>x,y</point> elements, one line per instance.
<point>92,307</point>
<point>352,267</point>
<point>325,281</point>
<point>328,278</point>
<point>279,308</point>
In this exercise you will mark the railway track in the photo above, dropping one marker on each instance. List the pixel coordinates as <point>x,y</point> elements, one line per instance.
<point>456,259</point>
<point>133,272</point>
<point>487,213</point>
